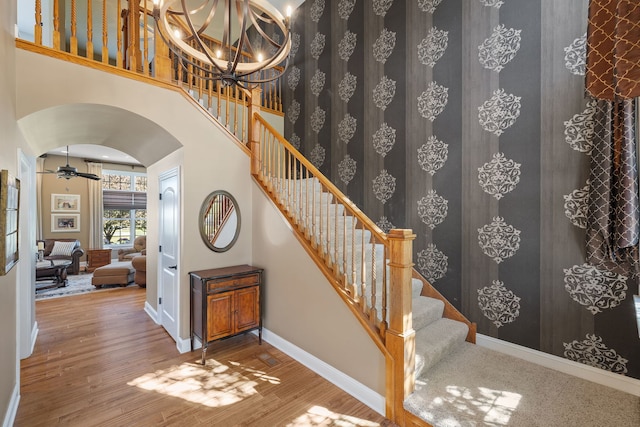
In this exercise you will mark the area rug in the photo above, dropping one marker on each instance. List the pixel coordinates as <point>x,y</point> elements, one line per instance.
<point>76,284</point>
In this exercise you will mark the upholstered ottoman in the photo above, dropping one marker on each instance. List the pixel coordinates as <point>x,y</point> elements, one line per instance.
<point>116,273</point>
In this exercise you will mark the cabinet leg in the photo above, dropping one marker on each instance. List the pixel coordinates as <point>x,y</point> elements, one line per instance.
<point>260,336</point>
<point>204,353</point>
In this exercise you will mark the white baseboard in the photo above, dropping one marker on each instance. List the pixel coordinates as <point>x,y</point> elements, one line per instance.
<point>12,410</point>
<point>356,389</point>
<point>184,345</point>
<point>589,373</point>
<point>34,336</point>
<point>153,314</point>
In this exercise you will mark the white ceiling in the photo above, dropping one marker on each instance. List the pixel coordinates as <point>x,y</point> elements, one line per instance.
<point>95,152</point>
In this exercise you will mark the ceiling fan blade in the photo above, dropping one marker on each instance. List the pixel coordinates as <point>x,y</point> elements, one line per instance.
<point>47,171</point>
<point>88,175</point>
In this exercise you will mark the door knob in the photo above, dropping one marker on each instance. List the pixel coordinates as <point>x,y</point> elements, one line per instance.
<point>174,267</point>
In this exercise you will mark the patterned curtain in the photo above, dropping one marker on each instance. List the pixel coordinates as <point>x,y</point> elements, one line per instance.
<point>613,78</point>
<point>39,170</point>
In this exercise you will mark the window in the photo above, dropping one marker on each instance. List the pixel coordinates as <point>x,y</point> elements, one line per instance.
<point>124,197</point>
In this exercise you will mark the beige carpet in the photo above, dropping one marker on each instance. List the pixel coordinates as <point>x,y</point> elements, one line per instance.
<point>476,386</point>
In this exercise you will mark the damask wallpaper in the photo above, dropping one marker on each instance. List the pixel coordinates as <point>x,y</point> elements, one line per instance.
<point>467,121</point>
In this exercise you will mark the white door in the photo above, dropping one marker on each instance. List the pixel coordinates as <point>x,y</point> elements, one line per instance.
<point>169,275</point>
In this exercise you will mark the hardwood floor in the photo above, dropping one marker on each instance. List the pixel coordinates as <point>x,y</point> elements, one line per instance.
<point>100,360</point>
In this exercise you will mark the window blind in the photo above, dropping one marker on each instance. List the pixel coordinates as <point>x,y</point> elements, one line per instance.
<point>113,199</point>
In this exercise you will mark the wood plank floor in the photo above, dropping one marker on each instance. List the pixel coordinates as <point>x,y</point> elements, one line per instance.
<point>101,361</point>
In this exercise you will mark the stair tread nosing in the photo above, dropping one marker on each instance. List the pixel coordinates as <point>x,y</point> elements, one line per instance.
<point>436,341</point>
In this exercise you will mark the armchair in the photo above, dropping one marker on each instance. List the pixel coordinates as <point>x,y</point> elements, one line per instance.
<point>72,252</point>
<point>139,248</point>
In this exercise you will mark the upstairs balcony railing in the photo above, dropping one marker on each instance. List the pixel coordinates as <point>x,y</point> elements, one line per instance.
<point>121,34</point>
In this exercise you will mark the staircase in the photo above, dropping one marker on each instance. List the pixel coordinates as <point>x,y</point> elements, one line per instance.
<point>358,259</point>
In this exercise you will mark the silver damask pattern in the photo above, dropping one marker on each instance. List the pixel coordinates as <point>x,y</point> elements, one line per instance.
<point>500,112</point>
<point>492,3</point>
<point>593,352</point>
<point>576,205</point>
<point>317,156</point>
<point>317,119</point>
<point>428,6</point>
<point>433,46</point>
<point>499,240</point>
<point>432,155</point>
<point>347,45</point>
<point>345,7</point>
<point>294,139</point>
<point>293,78</point>
<point>500,48</point>
<point>384,185</point>
<point>317,45</point>
<point>317,82</point>
<point>384,139</point>
<point>347,128</point>
<point>432,101</point>
<point>317,9</point>
<point>499,176</point>
<point>384,45</point>
<point>347,169</point>
<point>594,288</point>
<point>293,112</point>
<point>381,7</point>
<point>347,87</point>
<point>384,224</point>
<point>295,44</point>
<point>384,92</point>
<point>575,56</point>
<point>433,209</point>
<point>499,304</point>
<point>432,263</point>
<point>579,131</point>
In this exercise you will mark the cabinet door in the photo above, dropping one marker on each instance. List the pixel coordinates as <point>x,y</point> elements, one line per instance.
<point>219,315</point>
<point>247,308</point>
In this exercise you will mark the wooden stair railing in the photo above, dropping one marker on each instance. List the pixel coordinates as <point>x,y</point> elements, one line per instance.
<point>344,242</point>
<point>135,49</point>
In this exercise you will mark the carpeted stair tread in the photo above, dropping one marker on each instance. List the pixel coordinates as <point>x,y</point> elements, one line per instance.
<point>416,287</point>
<point>476,386</point>
<point>437,341</point>
<point>426,311</point>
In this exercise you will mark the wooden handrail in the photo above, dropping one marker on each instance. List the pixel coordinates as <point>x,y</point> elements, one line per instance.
<point>379,234</point>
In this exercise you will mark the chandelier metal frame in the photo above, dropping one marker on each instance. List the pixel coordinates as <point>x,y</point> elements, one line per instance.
<point>226,64</point>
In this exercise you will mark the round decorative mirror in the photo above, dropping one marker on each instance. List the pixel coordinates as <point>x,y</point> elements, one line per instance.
<point>219,221</point>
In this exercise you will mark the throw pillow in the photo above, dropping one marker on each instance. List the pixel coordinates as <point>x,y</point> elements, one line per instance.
<point>62,248</point>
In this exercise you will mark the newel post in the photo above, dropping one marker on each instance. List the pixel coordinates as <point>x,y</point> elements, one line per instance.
<point>254,129</point>
<point>400,336</point>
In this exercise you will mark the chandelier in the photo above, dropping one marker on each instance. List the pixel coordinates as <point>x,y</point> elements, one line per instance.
<point>213,37</point>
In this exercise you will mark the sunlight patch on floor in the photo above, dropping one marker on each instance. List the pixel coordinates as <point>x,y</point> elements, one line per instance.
<point>213,385</point>
<point>318,415</point>
<point>496,405</point>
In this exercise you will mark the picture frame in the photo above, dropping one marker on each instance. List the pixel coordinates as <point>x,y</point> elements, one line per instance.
<point>65,203</point>
<point>9,221</point>
<point>65,223</point>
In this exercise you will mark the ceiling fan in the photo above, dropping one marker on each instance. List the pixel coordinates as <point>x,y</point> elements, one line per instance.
<point>68,172</point>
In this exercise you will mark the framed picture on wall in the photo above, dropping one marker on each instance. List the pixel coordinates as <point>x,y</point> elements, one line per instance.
<point>9,214</point>
<point>65,223</point>
<point>65,203</point>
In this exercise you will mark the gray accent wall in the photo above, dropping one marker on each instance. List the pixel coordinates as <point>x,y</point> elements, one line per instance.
<point>472,129</point>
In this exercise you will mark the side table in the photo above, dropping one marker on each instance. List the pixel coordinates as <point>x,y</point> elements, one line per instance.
<point>97,258</point>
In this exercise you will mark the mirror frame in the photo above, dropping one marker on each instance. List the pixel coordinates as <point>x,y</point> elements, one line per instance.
<point>204,207</point>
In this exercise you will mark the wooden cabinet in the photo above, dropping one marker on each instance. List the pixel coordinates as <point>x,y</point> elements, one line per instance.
<point>97,258</point>
<point>225,302</point>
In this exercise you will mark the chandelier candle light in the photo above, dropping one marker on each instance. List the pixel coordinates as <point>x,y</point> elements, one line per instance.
<point>185,24</point>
